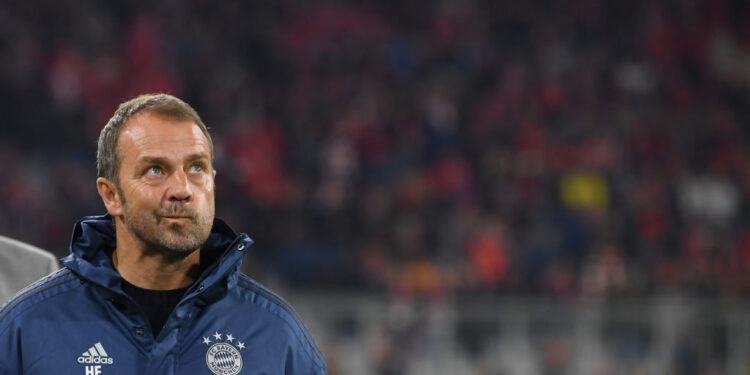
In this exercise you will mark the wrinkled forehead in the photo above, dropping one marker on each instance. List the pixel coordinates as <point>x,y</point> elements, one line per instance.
<point>160,135</point>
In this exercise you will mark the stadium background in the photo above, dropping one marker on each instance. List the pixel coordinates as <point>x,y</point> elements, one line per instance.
<point>447,187</point>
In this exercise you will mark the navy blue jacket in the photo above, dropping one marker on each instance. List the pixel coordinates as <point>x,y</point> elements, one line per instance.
<point>79,321</point>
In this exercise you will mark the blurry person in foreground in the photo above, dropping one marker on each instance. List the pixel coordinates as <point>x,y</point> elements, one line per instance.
<point>153,286</point>
<point>20,265</point>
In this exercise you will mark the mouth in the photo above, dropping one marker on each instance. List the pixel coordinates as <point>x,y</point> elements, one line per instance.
<point>176,218</point>
<point>175,214</point>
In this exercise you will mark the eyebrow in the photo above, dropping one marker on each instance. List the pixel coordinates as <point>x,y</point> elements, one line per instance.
<point>152,160</point>
<point>197,156</point>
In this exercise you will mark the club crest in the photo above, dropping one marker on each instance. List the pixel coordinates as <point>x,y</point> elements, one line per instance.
<point>222,357</point>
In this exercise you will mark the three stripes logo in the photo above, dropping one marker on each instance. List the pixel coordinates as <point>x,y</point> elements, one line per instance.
<point>96,355</point>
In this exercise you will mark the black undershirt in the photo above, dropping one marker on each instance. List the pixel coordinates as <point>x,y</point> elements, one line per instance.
<point>157,304</point>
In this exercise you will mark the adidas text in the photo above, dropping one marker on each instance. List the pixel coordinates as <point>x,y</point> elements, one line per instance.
<point>97,360</point>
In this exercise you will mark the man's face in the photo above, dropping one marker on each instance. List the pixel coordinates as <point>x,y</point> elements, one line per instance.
<point>166,183</point>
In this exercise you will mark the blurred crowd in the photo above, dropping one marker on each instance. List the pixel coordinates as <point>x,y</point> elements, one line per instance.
<point>579,148</point>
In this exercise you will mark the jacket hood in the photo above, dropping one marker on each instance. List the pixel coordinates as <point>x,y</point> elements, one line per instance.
<point>94,240</point>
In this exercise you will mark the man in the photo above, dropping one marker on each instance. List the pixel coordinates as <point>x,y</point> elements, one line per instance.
<point>20,265</point>
<point>153,286</point>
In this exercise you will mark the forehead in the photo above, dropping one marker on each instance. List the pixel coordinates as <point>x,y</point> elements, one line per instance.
<point>152,134</point>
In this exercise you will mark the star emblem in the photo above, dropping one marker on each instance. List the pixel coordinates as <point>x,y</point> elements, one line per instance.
<point>241,345</point>
<point>206,340</point>
<point>230,337</point>
<point>217,336</point>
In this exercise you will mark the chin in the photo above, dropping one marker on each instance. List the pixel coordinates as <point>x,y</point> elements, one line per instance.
<point>177,250</point>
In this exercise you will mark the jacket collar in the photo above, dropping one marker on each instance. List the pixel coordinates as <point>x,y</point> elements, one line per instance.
<point>93,242</point>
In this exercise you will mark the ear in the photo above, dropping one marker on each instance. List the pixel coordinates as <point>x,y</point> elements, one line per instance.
<point>110,196</point>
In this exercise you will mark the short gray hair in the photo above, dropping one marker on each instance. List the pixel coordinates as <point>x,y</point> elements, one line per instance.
<point>107,156</point>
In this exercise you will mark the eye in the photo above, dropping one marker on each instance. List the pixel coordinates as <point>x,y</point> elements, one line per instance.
<point>196,168</point>
<point>154,171</point>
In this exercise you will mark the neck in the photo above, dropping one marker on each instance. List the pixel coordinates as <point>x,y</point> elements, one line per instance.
<point>153,270</point>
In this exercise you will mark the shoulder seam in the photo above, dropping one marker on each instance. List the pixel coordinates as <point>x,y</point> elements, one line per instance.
<point>42,284</point>
<point>252,285</point>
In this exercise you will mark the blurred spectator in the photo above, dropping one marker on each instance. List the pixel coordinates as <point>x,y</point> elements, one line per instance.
<point>709,199</point>
<point>542,147</point>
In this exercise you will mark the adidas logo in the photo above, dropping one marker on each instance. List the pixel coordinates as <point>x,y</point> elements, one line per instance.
<point>96,354</point>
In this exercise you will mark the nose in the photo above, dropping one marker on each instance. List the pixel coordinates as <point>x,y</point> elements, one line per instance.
<point>179,187</point>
